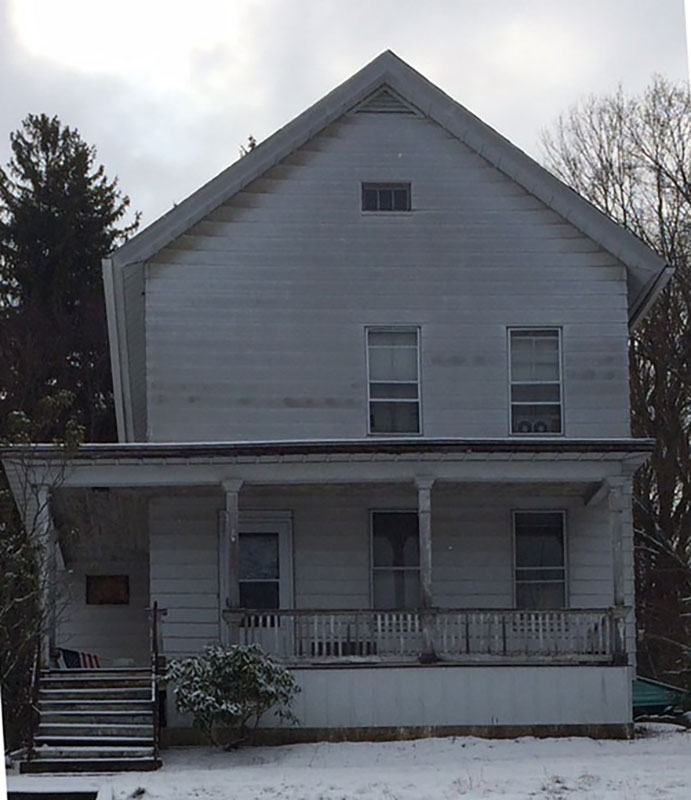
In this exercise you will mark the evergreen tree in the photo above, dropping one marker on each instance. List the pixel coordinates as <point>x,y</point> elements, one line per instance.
<point>59,216</point>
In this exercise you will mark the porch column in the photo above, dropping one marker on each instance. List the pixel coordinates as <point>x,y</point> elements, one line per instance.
<point>619,502</point>
<point>424,494</point>
<point>45,535</point>
<point>619,505</point>
<point>229,563</point>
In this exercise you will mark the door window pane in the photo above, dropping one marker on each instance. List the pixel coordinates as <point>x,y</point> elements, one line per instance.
<point>259,570</point>
<point>258,556</point>
<point>259,595</point>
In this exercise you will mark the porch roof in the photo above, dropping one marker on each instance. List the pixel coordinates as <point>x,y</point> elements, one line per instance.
<point>327,461</point>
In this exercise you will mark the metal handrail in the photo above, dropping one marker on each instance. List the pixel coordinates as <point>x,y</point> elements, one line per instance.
<point>34,694</point>
<point>154,679</point>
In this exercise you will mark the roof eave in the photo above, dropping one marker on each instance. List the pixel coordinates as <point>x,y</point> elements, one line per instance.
<point>648,295</point>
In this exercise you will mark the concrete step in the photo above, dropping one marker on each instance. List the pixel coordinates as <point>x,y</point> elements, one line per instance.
<point>95,681</point>
<point>47,673</point>
<point>109,750</point>
<point>96,706</point>
<point>55,794</point>
<point>95,693</point>
<point>96,717</point>
<point>83,729</point>
<point>91,764</point>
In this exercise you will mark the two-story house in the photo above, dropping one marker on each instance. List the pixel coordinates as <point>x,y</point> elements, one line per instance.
<point>373,408</point>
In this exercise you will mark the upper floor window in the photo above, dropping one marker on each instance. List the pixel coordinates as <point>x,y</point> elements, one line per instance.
<point>386,197</point>
<point>393,380</point>
<point>535,380</point>
<point>540,559</point>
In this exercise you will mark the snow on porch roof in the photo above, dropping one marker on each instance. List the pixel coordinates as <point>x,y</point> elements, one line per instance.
<point>525,446</point>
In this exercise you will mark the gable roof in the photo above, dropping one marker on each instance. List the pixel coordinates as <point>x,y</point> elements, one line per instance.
<point>385,84</point>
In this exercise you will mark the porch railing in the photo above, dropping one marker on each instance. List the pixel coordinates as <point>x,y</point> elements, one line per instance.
<point>570,635</point>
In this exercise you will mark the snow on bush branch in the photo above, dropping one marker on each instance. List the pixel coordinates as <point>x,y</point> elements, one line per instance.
<point>231,687</point>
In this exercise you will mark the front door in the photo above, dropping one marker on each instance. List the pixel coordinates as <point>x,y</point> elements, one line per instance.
<point>266,560</point>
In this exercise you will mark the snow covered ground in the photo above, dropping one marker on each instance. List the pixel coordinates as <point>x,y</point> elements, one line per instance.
<point>657,764</point>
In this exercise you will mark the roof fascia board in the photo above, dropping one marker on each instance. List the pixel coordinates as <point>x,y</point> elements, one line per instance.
<point>437,105</point>
<point>234,178</point>
<point>647,297</point>
<point>115,345</point>
<point>523,169</point>
<point>113,280</point>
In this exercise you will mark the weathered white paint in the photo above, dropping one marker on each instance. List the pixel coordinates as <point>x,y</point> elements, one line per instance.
<point>372,697</point>
<point>112,632</point>
<point>290,271</point>
<point>471,550</point>
<point>414,696</point>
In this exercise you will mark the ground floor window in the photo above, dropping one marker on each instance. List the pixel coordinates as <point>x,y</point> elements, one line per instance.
<point>540,564</point>
<point>395,559</point>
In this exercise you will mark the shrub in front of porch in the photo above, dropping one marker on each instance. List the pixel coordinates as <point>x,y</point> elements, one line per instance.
<point>229,689</point>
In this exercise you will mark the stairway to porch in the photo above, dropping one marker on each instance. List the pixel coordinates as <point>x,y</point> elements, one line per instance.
<point>95,720</point>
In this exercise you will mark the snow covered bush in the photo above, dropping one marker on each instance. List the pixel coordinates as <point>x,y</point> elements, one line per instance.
<point>231,687</point>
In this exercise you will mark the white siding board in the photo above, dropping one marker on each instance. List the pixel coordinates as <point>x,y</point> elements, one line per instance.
<point>108,631</point>
<point>183,546</point>
<point>291,272</point>
<point>392,697</point>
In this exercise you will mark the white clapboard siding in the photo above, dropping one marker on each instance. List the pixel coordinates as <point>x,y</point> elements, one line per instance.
<point>184,570</point>
<point>472,551</point>
<point>408,696</point>
<point>111,632</point>
<point>255,317</point>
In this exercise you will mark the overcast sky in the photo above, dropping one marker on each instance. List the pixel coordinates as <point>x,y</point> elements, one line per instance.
<point>168,90</point>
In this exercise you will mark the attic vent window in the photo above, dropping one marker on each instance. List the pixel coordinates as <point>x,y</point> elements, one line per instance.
<point>385,101</point>
<point>386,197</point>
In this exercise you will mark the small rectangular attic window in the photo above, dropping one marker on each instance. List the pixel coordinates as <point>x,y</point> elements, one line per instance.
<point>386,197</point>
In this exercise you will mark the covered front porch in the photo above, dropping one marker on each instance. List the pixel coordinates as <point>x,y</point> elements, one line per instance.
<point>351,553</point>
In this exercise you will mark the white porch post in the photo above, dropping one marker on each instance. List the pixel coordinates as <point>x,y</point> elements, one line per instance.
<point>424,493</point>
<point>45,534</point>
<point>229,563</point>
<point>618,501</point>
<point>619,505</point>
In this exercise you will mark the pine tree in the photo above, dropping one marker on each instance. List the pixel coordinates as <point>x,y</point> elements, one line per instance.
<point>59,216</point>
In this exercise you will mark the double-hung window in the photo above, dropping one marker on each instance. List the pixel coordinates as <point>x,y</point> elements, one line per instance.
<point>393,380</point>
<point>395,559</point>
<point>540,567</point>
<point>535,380</point>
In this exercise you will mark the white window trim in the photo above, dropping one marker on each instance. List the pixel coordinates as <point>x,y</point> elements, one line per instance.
<point>564,544</point>
<point>558,330</point>
<point>395,329</point>
<point>372,568</point>
<point>385,184</point>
